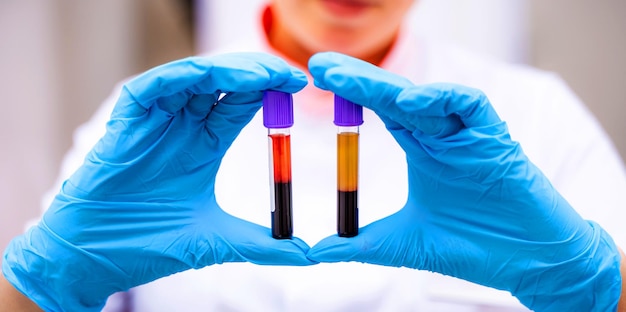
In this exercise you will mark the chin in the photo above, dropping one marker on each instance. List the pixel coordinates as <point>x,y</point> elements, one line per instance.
<point>345,44</point>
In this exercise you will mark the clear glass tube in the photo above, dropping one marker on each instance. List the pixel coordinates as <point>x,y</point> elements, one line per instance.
<point>347,180</point>
<point>279,141</point>
<point>278,119</point>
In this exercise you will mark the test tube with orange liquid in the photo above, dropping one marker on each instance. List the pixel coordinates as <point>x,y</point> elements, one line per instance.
<point>348,118</point>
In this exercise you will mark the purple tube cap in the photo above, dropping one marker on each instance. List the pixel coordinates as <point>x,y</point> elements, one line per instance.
<point>347,113</point>
<point>277,109</point>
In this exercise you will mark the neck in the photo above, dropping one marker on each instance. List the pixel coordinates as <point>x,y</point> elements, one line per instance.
<point>287,43</point>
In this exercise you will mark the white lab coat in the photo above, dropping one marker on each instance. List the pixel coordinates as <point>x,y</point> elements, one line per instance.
<point>555,129</point>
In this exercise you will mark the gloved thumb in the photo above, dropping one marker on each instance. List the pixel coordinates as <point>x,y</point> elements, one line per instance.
<point>370,246</point>
<point>391,241</point>
<point>237,240</point>
<point>267,250</point>
<point>335,249</point>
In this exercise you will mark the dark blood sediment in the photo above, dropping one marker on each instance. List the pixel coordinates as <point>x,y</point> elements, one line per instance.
<point>347,214</point>
<point>282,224</point>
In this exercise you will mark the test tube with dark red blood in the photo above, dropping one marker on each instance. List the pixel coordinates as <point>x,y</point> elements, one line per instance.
<point>278,119</point>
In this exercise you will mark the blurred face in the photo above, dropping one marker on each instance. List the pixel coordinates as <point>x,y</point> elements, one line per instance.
<point>361,28</point>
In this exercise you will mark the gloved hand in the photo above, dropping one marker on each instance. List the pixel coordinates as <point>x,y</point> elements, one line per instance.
<point>142,205</point>
<point>477,208</point>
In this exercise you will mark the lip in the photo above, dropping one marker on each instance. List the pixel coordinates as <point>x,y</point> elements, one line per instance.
<point>346,8</point>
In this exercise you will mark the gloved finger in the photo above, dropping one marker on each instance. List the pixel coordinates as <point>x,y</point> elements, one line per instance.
<point>250,72</point>
<point>451,101</point>
<point>200,105</point>
<point>226,120</point>
<point>238,240</point>
<point>382,242</point>
<point>236,72</point>
<point>357,81</point>
<point>437,110</point>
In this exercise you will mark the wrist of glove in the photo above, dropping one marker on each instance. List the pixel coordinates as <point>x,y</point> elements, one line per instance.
<point>477,208</point>
<point>59,276</point>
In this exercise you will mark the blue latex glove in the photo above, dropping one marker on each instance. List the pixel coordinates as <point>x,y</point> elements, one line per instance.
<point>477,208</point>
<point>142,205</point>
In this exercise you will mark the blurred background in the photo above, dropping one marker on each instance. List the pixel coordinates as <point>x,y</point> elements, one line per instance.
<point>59,60</point>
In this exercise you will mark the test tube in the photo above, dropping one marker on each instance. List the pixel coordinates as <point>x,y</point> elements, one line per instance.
<point>278,119</point>
<point>348,118</point>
